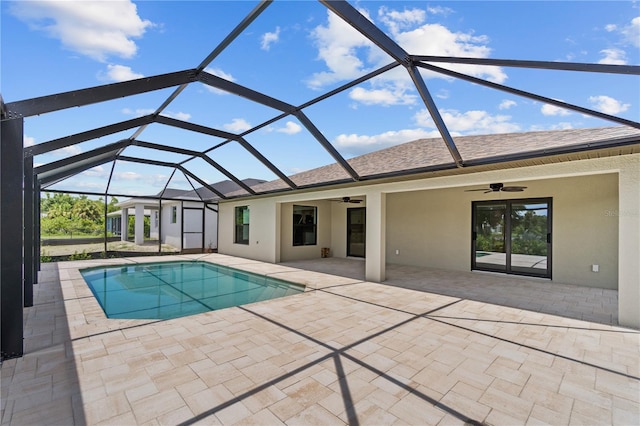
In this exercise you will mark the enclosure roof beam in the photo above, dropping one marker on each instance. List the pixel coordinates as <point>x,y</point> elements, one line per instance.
<point>52,145</point>
<point>548,65</point>
<point>368,29</point>
<point>245,92</point>
<point>47,179</point>
<point>107,92</point>
<point>230,136</point>
<point>194,127</point>
<point>530,95</point>
<point>327,145</point>
<point>113,149</point>
<point>435,114</point>
<point>246,145</point>
<point>175,166</point>
<point>194,154</point>
<point>223,45</point>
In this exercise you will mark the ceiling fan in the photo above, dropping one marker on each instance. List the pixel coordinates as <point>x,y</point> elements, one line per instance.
<point>497,187</point>
<point>347,200</point>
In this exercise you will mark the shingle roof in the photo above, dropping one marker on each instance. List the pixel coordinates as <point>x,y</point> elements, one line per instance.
<point>202,193</point>
<point>424,153</point>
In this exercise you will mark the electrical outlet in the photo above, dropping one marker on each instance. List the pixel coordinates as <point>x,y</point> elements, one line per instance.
<point>595,268</point>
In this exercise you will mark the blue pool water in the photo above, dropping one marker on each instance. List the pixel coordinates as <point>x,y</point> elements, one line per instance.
<point>175,289</point>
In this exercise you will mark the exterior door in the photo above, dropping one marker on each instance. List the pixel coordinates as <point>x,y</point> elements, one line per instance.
<point>193,229</point>
<point>512,236</point>
<point>356,230</point>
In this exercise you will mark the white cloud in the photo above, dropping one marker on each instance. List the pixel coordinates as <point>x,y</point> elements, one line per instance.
<point>67,151</point>
<point>237,125</point>
<point>632,32</point>
<point>218,73</point>
<point>438,40</point>
<point>608,105</point>
<point>97,29</point>
<point>610,27</point>
<point>119,73</point>
<point>469,122</point>
<point>506,104</point>
<point>177,115</point>
<point>290,128</point>
<point>563,125</point>
<point>269,38</point>
<point>548,109</point>
<point>348,55</point>
<point>387,96</point>
<point>28,140</point>
<point>128,175</point>
<point>338,45</point>
<point>97,171</point>
<point>359,144</point>
<point>397,21</point>
<point>139,112</point>
<point>443,94</point>
<point>613,57</point>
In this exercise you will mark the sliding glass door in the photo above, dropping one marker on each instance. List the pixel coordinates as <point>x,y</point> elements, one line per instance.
<point>512,236</point>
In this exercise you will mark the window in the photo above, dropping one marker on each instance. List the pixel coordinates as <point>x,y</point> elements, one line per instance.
<point>242,225</point>
<point>304,225</point>
<point>512,236</point>
<point>174,214</point>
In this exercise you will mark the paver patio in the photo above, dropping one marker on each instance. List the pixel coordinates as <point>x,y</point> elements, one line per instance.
<point>429,347</point>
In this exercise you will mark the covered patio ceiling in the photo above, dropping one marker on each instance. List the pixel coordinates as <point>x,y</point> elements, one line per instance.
<point>46,176</point>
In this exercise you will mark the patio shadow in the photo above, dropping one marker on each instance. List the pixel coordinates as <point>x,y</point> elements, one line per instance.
<point>42,387</point>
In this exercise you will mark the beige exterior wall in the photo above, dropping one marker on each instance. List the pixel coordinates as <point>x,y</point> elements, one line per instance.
<point>429,222</point>
<point>290,252</point>
<point>264,228</point>
<point>433,228</point>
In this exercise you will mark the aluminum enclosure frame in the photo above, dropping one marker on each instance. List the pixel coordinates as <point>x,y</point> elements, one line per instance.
<point>17,162</point>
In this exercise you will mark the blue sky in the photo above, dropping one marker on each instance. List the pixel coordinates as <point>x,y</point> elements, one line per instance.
<point>296,51</point>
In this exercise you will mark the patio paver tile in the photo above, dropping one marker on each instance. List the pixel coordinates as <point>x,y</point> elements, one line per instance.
<point>276,361</point>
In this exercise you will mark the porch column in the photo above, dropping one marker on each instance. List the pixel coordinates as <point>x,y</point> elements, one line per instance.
<point>376,229</point>
<point>629,245</point>
<point>124,225</point>
<point>139,225</point>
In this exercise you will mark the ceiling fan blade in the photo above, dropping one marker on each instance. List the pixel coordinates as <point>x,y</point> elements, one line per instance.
<point>473,190</point>
<point>513,188</point>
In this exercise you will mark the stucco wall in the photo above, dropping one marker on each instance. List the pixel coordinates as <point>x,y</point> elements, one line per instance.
<point>264,230</point>
<point>433,228</point>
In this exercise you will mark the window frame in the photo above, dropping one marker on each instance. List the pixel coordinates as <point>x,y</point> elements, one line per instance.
<point>508,268</point>
<point>174,214</point>
<point>239,228</point>
<point>303,227</point>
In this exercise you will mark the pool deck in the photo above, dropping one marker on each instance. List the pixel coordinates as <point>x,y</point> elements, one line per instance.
<point>428,347</point>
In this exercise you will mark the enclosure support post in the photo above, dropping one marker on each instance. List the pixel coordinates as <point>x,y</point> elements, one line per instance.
<point>160,225</point>
<point>28,236</point>
<point>36,226</point>
<point>11,268</point>
<point>106,213</point>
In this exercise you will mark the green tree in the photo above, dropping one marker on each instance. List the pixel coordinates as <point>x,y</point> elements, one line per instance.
<point>112,207</point>
<point>86,209</point>
<point>57,205</point>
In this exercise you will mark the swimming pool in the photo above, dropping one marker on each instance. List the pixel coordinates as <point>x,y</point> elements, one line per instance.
<point>175,289</point>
